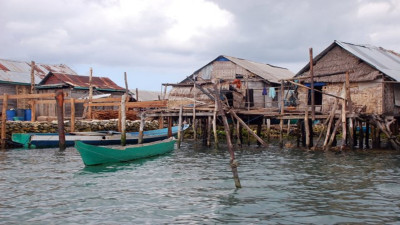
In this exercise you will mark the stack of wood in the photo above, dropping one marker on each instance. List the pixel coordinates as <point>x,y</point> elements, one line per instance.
<point>113,114</point>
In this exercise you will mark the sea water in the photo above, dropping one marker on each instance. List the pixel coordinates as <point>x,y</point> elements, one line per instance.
<point>194,185</point>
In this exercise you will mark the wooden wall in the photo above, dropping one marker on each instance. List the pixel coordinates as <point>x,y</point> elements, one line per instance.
<point>11,90</point>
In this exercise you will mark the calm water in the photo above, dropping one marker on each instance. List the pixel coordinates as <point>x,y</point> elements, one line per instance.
<point>194,186</point>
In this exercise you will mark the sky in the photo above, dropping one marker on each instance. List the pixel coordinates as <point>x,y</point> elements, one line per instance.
<point>164,41</point>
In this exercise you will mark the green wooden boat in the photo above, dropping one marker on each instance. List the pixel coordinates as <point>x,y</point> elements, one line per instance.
<point>94,155</point>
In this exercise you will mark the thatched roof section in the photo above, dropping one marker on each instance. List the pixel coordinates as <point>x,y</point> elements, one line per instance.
<point>366,62</point>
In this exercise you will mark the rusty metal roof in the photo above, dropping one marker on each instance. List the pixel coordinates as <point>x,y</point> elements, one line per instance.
<point>20,72</point>
<point>79,81</point>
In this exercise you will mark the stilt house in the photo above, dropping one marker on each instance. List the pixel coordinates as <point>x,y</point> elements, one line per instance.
<point>246,84</point>
<point>15,78</point>
<point>76,86</point>
<point>374,75</point>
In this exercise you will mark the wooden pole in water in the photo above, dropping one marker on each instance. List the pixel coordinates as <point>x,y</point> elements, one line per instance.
<point>123,120</point>
<point>90,93</point>
<point>194,110</point>
<point>4,121</point>
<point>331,119</point>
<point>169,126</point>
<point>361,135</point>
<point>259,126</point>
<point>180,127</point>
<point>233,162</point>
<point>209,124</point>
<point>248,128</point>
<point>119,118</point>
<point>33,111</point>
<point>161,122</point>
<point>281,114</point>
<point>60,119</point>
<point>268,129</point>
<point>367,134</point>
<point>72,115</point>
<point>215,124</point>
<point>238,134</point>
<point>141,128</point>
<point>306,124</point>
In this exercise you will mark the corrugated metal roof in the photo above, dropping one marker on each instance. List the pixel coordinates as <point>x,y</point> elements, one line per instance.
<point>20,72</point>
<point>80,81</point>
<point>386,61</point>
<point>266,71</point>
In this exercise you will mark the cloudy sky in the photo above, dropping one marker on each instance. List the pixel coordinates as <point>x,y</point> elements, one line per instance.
<point>163,41</point>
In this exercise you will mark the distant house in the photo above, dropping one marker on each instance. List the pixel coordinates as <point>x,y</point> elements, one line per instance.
<point>15,78</point>
<point>374,78</point>
<point>246,84</point>
<point>76,86</point>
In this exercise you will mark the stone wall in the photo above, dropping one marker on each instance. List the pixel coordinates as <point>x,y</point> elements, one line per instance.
<point>82,125</point>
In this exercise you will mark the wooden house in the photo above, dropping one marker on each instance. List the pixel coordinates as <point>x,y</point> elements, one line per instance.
<point>77,87</point>
<point>15,78</point>
<point>246,84</point>
<point>374,75</point>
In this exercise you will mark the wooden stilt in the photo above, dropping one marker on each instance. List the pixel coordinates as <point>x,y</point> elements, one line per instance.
<point>60,119</point>
<point>248,128</point>
<point>33,111</point>
<point>180,127</point>
<point>169,126</point>
<point>333,136</point>
<point>161,122</point>
<point>282,112</point>
<point>307,128</point>
<point>367,135</point>
<point>209,124</point>
<point>259,131</point>
<point>141,127</point>
<point>361,135</point>
<point>204,130</point>
<point>351,130</point>
<point>344,125</point>
<point>238,134</point>
<point>331,119</point>
<point>288,127</point>
<point>72,115</point>
<point>4,121</point>
<point>215,125</point>
<point>123,120</point>
<point>268,129</point>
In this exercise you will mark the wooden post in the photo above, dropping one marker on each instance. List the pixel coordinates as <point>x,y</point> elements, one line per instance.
<point>333,136</point>
<point>90,93</point>
<point>194,110</point>
<point>233,162</point>
<point>215,124</point>
<point>33,111</point>
<point>312,85</point>
<point>268,129</point>
<point>4,121</point>
<point>351,130</point>
<point>288,127</point>
<point>123,119</point>
<point>126,84</point>
<point>32,77</point>
<point>248,128</point>
<point>60,119</point>
<point>348,95</point>
<point>259,126</point>
<point>238,134</point>
<point>141,128</point>
<point>306,126</point>
<point>344,125</point>
<point>361,135</point>
<point>169,126</point>
<point>165,92</point>
<point>367,135</point>
<point>281,114</point>
<point>331,119</point>
<point>72,115</point>
<point>137,94</point>
<point>180,127</point>
<point>209,124</point>
<point>119,119</point>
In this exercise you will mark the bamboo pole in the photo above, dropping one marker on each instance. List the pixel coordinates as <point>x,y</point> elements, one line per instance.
<point>337,125</point>
<point>169,126</point>
<point>233,162</point>
<point>194,111</point>
<point>126,84</point>
<point>32,77</point>
<point>344,125</point>
<point>60,119</point>
<point>161,122</point>
<point>238,132</point>
<point>119,118</point>
<point>90,93</point>
<point>4,121</point>
<point>141,128</point>
<point>180,126</point>
<point>72,115</point>
<point>268,129</point>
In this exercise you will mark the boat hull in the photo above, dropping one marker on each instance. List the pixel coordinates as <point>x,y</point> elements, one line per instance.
<point>48,140</point>
<point>95,155</point>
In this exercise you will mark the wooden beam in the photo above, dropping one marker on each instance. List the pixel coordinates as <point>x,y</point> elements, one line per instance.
<point>90,93</point>
<point>123,120</point>
<point>312,85</point>
<point>324,93</point>
<point>32,77</point>
<point>60,119</point>
<point>147,104</point>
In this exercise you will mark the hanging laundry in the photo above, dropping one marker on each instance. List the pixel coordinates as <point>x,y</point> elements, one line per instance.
<point>271,92</point>
<point>265,92</point>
